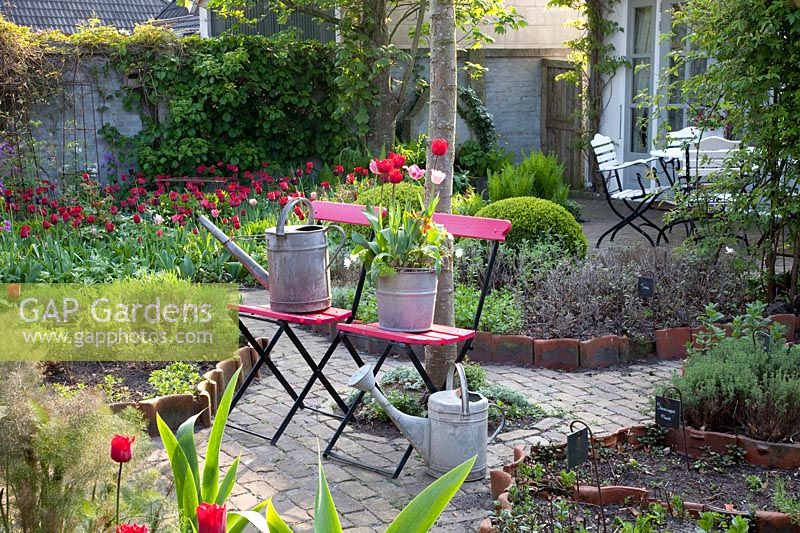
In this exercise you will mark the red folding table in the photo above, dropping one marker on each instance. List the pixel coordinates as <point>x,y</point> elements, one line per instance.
<point>459,226</point>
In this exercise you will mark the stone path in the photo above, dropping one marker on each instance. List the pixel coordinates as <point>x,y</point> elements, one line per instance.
<point>366,501</point>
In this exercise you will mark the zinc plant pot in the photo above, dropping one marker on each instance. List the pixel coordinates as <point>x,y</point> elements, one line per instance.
<point>406,300</point>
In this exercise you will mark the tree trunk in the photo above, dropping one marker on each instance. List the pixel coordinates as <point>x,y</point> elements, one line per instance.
<point>442,124</point>
<point>383,112</point>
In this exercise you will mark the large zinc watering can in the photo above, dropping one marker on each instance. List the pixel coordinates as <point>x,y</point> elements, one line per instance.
<point>455,429</point>
<point>298,279</point>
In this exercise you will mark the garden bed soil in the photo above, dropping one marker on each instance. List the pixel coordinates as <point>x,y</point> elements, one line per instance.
<point>634,474</point>
<point>132,375</point>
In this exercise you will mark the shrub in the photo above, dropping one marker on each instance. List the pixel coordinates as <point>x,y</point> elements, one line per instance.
<point>175,378</point>
<point>403,193</point>
<point>537,220</point>
<point>478,162</point>
<point>598,296</point>
<point>55,466</point>
<point>538,175</point>
<point>501,312</point>
<point>735,384</point>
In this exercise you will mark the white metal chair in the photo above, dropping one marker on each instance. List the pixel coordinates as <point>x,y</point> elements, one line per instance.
<point>637,200</point>
<point>704,159</point>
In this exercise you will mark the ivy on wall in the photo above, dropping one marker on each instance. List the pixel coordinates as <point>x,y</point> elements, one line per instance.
<point>242,99</point>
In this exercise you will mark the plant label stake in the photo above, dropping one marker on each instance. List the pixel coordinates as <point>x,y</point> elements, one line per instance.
<point>578,444</point>
<point>646,285</point>
<point>669,414</point>
<point>764,336</point>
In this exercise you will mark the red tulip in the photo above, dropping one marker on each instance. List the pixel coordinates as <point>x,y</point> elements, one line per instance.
<point>121,447</point>
<point>46,224</point>
<point>385,165</point>
<point>25,232</point>
<point>137,218</point>
<point>90,219</point>
<point>398,160</point>
<point>210,518</point>
<point>439,147</point>
<point>132,528</point>
<point>109,227</point>
<point>159,233</point>
<point>395,176</point>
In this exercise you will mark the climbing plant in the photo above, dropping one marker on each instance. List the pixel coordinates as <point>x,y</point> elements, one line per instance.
<point>594,58</point>
<point>477,117</point>
<point>242,99</point>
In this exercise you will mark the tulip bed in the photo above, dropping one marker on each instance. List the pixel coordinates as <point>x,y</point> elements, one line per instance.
<point>83,231</point>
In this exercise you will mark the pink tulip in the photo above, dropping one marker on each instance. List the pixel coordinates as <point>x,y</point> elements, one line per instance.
<point>414,172</point>
<point>437,177</point>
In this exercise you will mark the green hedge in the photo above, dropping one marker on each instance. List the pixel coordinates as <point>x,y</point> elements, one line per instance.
<point>536,221</point>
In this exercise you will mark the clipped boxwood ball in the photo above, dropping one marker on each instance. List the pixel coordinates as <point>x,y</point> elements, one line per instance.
<point>537,220</point>
<point>404,192</point>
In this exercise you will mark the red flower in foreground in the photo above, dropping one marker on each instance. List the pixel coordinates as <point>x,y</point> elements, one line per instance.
<point>132,528</point>
<point>46,224</point>
<point>109,227</point>
<point>25,232</point>
<point>439,147</point>
<point>121,446</point>
<point>137,218</point>
<point>210,518</point>
<point>159,233</point>
<point>325,185</point>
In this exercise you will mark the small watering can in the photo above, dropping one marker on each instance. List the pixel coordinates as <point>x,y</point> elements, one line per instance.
<point>298,263</point>
<point>298,279</point>
<point>455,429</point>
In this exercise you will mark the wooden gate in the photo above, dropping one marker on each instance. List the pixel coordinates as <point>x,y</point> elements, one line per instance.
<point>560,121</point>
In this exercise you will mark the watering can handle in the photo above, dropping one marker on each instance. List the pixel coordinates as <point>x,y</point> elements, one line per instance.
<point>341,246</point>
<point>279,228</point>
<point>502,425</point>
<point>462,376</point>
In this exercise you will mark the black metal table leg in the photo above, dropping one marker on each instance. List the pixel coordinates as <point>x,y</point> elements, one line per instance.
<point>352,409</point>
<point>317,369</point>
<point>298,403</point>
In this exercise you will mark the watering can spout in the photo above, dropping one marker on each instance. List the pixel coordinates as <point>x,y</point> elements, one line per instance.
<point>243,257</point>
<point>416,429</point>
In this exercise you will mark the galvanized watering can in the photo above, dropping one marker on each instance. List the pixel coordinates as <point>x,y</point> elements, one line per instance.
<point>298,279</point>
<point>455,429</point>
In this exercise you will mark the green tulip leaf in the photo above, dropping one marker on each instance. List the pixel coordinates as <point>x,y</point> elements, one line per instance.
<point>237,520</point>
<point>420,515</point>
<point>276,523</point>
<point>185,437</point>
<point>326,519</point>
<point>178,462</point>
<point>228,482</point>
<point>211,466</point>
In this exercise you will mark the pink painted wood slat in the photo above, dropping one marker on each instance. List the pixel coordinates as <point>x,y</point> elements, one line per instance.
<point>488,229</point>
<point>342,213</point>
<point>328,316</point>
<point>437,336</point>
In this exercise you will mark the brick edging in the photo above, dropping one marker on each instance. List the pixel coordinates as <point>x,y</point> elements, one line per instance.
<point>573,354</point>
<point>768,454</point>
<point>176,408</point>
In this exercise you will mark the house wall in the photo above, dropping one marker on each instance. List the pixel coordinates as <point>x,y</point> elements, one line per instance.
<point>512,93</point>
<point>547,28</point>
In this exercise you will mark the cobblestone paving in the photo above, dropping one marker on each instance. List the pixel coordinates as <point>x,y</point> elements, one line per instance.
<point>367,501</point>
